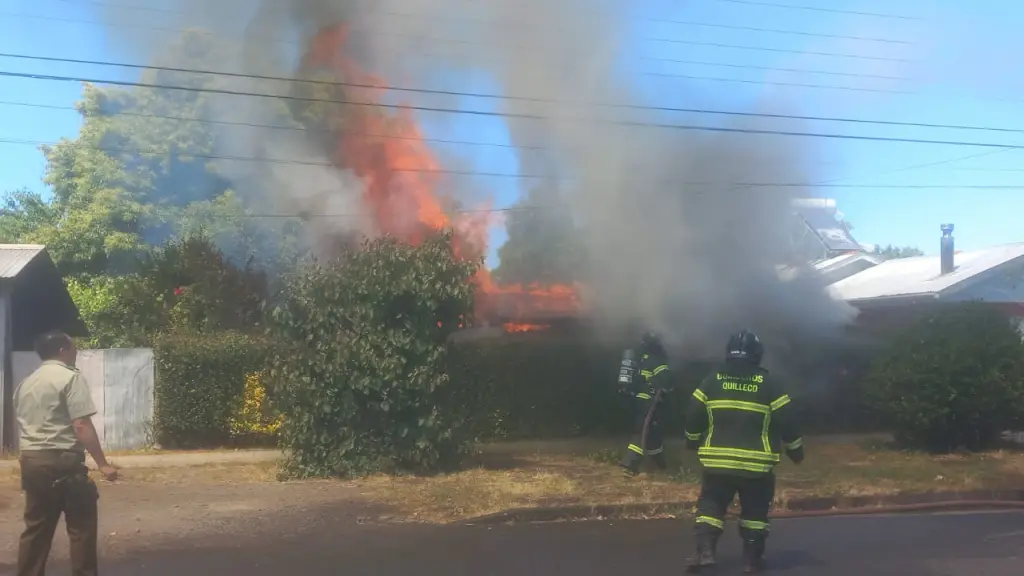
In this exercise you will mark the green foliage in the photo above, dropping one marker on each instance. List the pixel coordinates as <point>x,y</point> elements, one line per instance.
<point>953,380</point>
<point>891,252</point>
<point>120,311</point>
<point>543,246</point>
<point>364,379</point>
<point>200,385</point>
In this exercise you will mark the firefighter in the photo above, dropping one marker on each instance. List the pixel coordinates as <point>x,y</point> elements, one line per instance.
<point>648,392</point>
<point>739,420</point>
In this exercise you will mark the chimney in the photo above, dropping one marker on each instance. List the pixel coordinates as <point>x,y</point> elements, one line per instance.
<point>946,248</point>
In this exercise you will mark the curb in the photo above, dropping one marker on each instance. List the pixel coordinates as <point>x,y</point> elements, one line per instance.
<point>799,508</point>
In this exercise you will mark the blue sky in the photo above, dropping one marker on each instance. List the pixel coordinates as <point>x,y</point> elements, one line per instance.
<point>955,75</point>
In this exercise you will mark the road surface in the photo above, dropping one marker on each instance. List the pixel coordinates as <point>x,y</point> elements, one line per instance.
<point>974,544</point>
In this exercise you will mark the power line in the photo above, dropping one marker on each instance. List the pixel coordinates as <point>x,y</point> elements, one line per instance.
<point>473,43</point>
<point>514,23</point>
<point>447,93</point>
<point>816,9</point>
<point>300,162</point>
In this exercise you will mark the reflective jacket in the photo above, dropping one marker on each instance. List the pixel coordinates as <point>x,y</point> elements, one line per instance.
<point>654,376</point>
<point>740,419</point>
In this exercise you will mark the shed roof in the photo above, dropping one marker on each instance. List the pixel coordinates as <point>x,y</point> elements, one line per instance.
<point>14,258</point>
<point>921,275</point>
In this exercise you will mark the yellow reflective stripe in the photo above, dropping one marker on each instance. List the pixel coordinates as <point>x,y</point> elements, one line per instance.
<point>659,369</point>
<point>646,373</point>
<point>711,427</point>
<point>780,402</point>
<point>694,436</point>
<point>700,395</point>
<point>765,441</point>
<point>656,451</point>
<point>738,405</point>
<point>736,465</point>
<point>738,453</point>
<point>643,395</point>
<point>635,448</point>
<point>755,525</point>
<point>798,443</point>
<point>720,524</point>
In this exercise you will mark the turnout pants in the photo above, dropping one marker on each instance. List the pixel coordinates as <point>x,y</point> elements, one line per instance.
<point>655,445</point>
<point>716,494</point>
<point>57,482</point>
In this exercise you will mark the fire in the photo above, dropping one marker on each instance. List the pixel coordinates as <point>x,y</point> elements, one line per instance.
<point>386,148</point>
<point>513,327</point>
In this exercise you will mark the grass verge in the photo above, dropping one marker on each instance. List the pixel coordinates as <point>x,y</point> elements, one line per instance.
<point>520,475</point>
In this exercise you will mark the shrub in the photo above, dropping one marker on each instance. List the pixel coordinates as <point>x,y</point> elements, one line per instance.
<point>363,381</point>
<point>952,380</point>
<point>255,421</point>
<point>201,385</point>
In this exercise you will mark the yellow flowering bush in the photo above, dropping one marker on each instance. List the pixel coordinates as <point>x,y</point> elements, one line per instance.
<point>254,417</point>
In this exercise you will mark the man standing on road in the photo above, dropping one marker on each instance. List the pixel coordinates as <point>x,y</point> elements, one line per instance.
<point>54,410</point>
<point>738,420</point>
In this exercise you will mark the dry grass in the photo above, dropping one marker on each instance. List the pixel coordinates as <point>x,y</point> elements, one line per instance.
<point>249,473</point>
<point>535,474</point>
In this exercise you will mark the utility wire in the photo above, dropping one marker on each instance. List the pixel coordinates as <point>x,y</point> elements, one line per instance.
<point>300,162</point>
<point>475,43</point>
<point>817,9</point>
<point>462,94</point>
<point>513,23</point>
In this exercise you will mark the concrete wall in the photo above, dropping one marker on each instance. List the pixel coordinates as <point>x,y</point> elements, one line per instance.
<point>121,382</point>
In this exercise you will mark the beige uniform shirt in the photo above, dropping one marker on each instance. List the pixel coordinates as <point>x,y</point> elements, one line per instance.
<point>47,402</point>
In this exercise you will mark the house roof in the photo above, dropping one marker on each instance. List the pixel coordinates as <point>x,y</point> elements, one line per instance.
<point>921,276</point>
<point>14,258</point>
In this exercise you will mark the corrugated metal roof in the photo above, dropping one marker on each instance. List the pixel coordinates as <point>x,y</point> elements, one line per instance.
<point>921,276</point>
<point>14,258</point>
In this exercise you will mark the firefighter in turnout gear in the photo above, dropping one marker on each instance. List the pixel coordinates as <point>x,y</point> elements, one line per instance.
<point>648,392</point>
<point>739,420</point>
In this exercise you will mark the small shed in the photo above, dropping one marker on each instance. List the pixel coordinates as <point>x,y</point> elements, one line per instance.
<point>33,300</point>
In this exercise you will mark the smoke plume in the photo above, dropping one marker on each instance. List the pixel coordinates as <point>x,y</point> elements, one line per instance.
<point>673,243</point>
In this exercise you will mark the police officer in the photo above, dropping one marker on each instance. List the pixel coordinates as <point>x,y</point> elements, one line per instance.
<point>648,392</point>
<point>54,411</point>
<point>739,419</point>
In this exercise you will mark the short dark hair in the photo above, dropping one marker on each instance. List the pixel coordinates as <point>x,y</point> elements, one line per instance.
<point>49,345</point>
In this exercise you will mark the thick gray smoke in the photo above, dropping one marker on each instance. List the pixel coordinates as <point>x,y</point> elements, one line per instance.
<point>673,243</point>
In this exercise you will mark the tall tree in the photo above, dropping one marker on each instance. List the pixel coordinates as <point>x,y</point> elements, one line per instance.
<point>543,244</point>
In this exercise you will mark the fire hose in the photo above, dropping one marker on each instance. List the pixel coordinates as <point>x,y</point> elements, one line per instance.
<point>648,419</point>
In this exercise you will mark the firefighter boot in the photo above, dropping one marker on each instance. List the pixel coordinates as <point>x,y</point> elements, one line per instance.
<point>753,554</point>
<point>705,556</point>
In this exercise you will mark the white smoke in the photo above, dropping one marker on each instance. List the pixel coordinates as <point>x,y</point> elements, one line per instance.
<point>672,243</point>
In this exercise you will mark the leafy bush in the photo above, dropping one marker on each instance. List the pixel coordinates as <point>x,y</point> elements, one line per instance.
<point>954,379</point>
<point>255,420</point>
<point>201,384</point>
<point>365,375</point>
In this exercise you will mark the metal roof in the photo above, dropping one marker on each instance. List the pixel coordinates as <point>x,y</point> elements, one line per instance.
<point>14,258</point>
<point>921,275</point>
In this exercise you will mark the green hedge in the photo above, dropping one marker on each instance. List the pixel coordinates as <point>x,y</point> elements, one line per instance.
<point>534,386</point>
<point>200,381</point>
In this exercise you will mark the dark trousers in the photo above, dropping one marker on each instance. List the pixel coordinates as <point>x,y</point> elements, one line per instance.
<point>57,482</point>
<point>654,446</point>
<point>716,494</point>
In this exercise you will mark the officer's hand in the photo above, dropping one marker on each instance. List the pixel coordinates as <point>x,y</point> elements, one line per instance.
<point>109,472</point>
<point>797,456</point>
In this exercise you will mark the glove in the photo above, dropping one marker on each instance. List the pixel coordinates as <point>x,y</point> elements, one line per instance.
<point>796,456</point>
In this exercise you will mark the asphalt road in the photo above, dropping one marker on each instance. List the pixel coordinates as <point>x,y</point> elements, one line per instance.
<point>975,544</point>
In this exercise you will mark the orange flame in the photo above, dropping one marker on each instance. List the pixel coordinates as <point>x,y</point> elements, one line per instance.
<point>513,327</point>
<point>388,152</point>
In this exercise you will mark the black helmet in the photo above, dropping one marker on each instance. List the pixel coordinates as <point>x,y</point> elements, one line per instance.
<point>745,345</point>
<point>651,342</point>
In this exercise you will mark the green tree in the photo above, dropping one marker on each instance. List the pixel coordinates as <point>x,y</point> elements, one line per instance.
<point>954,379</point>
<point>891,252</point>
<point>543,243</point>
<point>363,381</point>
